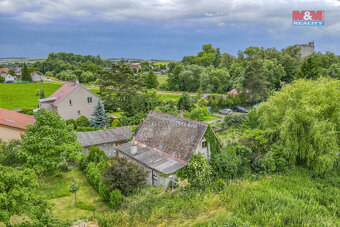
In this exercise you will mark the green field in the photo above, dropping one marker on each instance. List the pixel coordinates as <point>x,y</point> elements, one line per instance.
<point>162,78</point>
<point>22,96</point>
<point>168,97</point>
<point>20,60</point>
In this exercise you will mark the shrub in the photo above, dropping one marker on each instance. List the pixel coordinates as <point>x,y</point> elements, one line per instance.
<point>198,172</point>
<point>116,198</point>
<point>96,155</point>
<point>87,129</point>
<point>8,153</point>
<point>82,121</point>
<point>124,175</point>
<point>199,113</point>
<point>71,122</point>
<point>234,119</point>
<point>104,192</point>
<point>226,164</point>
<point>93,175</point>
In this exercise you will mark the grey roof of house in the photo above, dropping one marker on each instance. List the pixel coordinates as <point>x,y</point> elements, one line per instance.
<point>165,142</point>
<point>171,135</point>
<point>104,136</point>
<point>50,99</point>
<point>152,158</point>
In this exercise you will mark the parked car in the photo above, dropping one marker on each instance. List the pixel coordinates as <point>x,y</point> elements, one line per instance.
<point>226,111</point>
<point>240,109</point>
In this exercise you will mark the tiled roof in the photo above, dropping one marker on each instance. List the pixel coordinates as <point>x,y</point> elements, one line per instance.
<point>14,119</point>
<point>63,91</point>
<point>4,70</point>
<point>104,136</point>
<point>170,134</point>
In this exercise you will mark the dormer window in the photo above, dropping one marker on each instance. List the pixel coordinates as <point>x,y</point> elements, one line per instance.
<point>70,102</point>
<point>89,100</point>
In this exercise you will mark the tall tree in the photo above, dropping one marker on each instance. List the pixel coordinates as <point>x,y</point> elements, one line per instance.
<point>151,80</point>
<point>185,102</point>
<point>119,86</point>
<point>100,118</point>
<point>47,143</point>
<point>26,76</point>
<point>309,69</point>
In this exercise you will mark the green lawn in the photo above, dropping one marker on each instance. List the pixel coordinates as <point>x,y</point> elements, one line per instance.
<point>168,97</point>
<point>162,78</point>
<point>55,190</point>
<point>15,96</point>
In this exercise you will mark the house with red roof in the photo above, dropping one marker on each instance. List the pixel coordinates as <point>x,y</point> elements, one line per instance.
<point>13,124</point>
<point>71,101</point>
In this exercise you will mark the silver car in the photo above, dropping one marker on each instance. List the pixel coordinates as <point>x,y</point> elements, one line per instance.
<point>226,111</point>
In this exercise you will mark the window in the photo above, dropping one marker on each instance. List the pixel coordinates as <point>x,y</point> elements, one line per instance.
<point>70,101</point>
<point>204,144</point>
<point>89,100</point>
<point>79,112</point>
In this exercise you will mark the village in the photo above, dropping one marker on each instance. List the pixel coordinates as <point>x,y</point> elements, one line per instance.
<point>169,113</point>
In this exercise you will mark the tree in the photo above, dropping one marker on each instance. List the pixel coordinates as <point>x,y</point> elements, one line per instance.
<point>96,155</point>
<point>309,69</point>
<point>100,118</point>
<point>124,175</point>
<point>185,103</point>
<point>74,188</point>
<point>334,71</point>
<point>200,113</point>
<point>26,76</point>
<point>8,153</point>
<point>2,79</point>
<point>48,142</point>
<point>304,117</point>
<point>12,72</point>
<point>151,80</point>
<point>119,86</point>
<point>16,196</point>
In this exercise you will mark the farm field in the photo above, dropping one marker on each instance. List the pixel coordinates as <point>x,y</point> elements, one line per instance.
<point>15,96</point>
<point>20,60</point>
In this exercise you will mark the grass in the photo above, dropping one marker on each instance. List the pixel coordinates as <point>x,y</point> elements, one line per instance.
<point>162,78</point>
<point>55,190</point>
<point>168,97</point>
<point>15,96</point>
<point>297,199</point>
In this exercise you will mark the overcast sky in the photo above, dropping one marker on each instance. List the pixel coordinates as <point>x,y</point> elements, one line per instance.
<point>158,29</point>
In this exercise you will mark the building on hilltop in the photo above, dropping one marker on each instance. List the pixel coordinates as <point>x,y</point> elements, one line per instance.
<point>164,144</point>
<point>306,49</point>
<point>13,124</point>
<point>71,101</point>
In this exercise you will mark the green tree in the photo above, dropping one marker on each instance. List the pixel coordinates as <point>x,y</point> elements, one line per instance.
<point>151,80</point>
<point>40,93</point>
<point>100,118</point>
<point>16,196</point>
<point>12,72</point>
<point>74,188</point>
<point>96,155</point>
<point>2,79</point>
<point>26,76</point>
<point>185,102</point>
<point>119,86</point>
<point>309,69</point>
<point>304,116</point>
<point>334,71</point>
<point>48,142</point>
<point>8,153</point>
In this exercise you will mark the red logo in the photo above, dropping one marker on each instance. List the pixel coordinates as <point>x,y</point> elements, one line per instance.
<point>308,15</point>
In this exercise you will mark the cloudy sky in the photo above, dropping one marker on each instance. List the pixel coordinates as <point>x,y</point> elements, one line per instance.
<point>159,29</point>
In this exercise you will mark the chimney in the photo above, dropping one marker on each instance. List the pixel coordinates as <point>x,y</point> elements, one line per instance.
<point>180,113</point>
<point>133,146</point>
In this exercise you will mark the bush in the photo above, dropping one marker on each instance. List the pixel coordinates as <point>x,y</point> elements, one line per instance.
<point>124,175</point>
<point>234,119</point>
<point>96,155</point>
<point>199,113</point>
<point>87,129</point>
<point>226,164</point>
<point>116,198</point>
<point>104,192</point>
<point>71,122</point>
<point>93,175</point>
<point>82,121</point>
<point>198,172</point>
<point>8,153</point>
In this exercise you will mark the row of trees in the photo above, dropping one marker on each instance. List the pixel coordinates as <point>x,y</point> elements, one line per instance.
<point>256,70</point>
